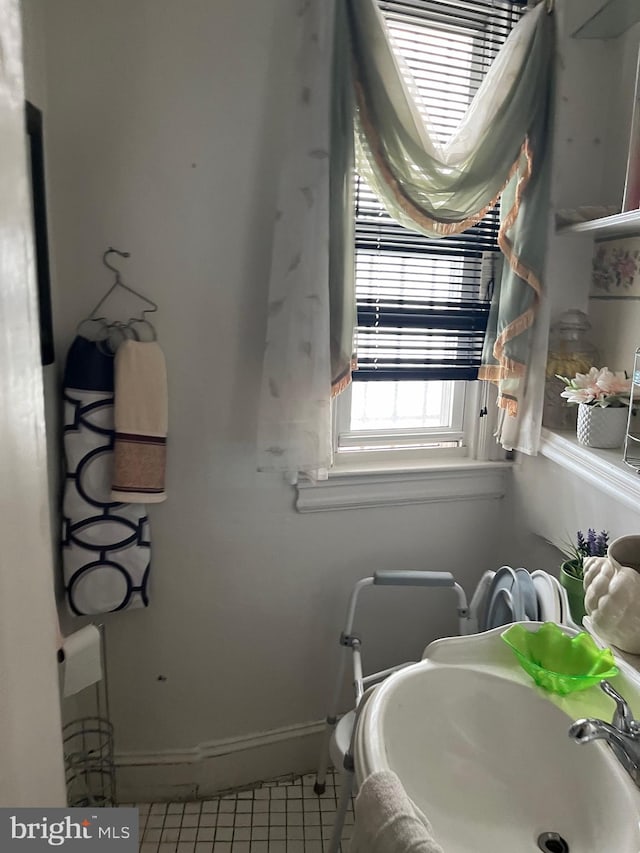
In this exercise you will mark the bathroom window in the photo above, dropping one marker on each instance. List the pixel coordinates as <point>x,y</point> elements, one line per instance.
<point>423,303</point>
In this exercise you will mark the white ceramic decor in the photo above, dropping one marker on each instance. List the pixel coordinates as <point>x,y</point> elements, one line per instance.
<point>612,593</point>
<point>600,426</point>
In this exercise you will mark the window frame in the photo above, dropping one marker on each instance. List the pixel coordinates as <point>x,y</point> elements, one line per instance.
<point>475,435</point>
<point>349,439</point>
<point>475,414</point>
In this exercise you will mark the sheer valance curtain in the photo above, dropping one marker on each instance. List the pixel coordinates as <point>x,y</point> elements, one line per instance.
<point>344,55</point>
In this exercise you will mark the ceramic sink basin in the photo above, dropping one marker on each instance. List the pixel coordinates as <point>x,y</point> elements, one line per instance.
<point>486,756</point>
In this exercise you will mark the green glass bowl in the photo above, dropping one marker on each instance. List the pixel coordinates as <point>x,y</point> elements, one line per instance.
<point>559,663</point>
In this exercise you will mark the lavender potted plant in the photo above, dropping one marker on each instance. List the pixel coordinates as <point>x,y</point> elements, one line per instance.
<point>571,571</point>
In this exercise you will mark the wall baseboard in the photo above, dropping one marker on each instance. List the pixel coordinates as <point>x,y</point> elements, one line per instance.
<point>218,765</point>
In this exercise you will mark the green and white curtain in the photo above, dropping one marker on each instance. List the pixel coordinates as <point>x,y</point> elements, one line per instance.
<point>499,149</point>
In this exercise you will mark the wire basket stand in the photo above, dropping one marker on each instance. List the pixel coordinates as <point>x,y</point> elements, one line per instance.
<point>88,751</point>
<point>89,766</point>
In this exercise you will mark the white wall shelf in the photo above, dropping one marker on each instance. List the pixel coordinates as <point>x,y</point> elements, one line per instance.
<point>618,225</point>
<point>610,21</point>
<point>602,469</point>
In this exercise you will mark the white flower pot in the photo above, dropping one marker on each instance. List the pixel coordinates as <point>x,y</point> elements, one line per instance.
<point>600,426</point>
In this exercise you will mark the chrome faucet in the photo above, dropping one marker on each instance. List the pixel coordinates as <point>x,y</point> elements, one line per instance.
<point>622,734</point>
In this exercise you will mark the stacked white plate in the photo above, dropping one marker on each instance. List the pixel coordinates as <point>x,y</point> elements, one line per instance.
<point>515,595</point>
<point>549,595</point>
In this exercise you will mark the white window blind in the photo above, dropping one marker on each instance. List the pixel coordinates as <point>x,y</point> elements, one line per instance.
<point>423,303</point>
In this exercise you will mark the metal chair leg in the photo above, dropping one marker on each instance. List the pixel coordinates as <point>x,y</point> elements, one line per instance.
<point>323,762</point>
<point>343,806</point>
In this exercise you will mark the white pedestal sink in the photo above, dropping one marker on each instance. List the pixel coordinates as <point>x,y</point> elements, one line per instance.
<point>485,754</point>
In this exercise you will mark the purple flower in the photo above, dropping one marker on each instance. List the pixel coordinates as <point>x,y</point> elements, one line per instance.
<point>602,543</point>
<point>592,545</point>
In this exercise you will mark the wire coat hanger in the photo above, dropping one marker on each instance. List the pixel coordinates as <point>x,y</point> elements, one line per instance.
<point>119,283</point>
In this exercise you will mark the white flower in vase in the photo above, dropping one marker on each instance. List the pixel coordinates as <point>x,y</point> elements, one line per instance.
<point>602,397</point>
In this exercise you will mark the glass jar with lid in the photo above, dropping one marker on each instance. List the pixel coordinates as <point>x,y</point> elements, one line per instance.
<point>570,352</point>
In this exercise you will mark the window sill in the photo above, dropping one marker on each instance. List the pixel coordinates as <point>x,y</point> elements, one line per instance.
<point>602,469</point>
<point>374,486</point>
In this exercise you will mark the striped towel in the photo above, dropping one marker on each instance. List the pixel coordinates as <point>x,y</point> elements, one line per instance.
<point>140,423</point>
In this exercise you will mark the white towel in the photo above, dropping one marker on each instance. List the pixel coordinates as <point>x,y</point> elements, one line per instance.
<point>387,821</point>
<point>140,412</point>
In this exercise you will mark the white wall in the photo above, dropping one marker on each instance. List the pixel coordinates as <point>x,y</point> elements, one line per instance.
<point>616,323</point>
<point>595,92</point>
<point>557,503</point>
<point>31,770</point>
<point>162,139</point>
<point>586,89</point>
<point>593,116</point>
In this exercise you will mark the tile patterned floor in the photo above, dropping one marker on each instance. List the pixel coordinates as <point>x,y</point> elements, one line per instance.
<point>284,816</point>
